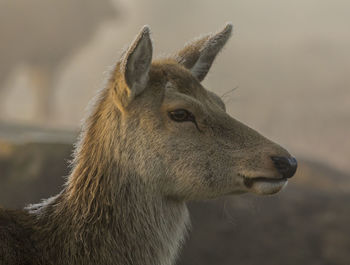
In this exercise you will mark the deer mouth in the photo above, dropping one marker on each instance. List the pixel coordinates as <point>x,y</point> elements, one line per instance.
<point>264,185</point>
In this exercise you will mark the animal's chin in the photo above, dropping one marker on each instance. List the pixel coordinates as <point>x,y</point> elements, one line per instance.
<point>265,186</point>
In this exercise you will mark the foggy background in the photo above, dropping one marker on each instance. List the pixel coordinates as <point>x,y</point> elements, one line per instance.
<point>288,63</point>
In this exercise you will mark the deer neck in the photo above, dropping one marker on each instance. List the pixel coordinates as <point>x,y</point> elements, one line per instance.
<point>106,215</point>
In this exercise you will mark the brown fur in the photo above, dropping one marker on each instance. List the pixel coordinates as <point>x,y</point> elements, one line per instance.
<point>135,168</point>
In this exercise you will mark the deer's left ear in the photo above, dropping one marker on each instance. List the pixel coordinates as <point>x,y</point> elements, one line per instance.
<point>134,67</point>
<point>199,55</point>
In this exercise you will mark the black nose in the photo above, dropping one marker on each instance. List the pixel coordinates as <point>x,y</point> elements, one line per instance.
<point>285,165</point>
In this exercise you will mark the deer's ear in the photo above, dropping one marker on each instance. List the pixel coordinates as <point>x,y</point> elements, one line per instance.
<point>199,55</point>
<point>134,67</point>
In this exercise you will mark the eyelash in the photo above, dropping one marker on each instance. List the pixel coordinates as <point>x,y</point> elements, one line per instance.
<point>181,115</point>
<point>187,116</point>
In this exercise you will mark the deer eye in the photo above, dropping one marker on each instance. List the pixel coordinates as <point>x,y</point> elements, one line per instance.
<point>181,115</point>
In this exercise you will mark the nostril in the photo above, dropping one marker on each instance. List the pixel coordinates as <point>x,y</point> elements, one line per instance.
<point>287,166</point>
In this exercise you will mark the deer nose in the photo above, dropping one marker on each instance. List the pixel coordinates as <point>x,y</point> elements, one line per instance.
<point>285,165</point>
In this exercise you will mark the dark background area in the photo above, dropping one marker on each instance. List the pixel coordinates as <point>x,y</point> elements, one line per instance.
<point>307,223</point>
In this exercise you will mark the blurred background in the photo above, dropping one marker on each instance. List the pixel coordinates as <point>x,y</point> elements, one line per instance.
<point>288,63</point>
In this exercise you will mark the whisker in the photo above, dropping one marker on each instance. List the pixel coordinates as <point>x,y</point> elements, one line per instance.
<point>226,96</point>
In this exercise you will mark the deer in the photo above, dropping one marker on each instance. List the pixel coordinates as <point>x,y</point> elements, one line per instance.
<point>153,140</point>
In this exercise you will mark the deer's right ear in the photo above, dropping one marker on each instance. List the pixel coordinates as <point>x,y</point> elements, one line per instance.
<point>134,67</point>
<point>198,56</point>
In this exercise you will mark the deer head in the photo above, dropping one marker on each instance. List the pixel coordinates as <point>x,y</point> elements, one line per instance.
<point>157,121</point>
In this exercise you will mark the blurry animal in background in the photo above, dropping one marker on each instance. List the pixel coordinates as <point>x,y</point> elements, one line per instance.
<point>154,139</point>
<point>43,34</point>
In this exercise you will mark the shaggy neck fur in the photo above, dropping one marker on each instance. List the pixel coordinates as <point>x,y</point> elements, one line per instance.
<point>106,214</point>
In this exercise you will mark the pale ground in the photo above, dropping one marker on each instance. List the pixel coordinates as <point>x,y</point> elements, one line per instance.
<point>289,60</point>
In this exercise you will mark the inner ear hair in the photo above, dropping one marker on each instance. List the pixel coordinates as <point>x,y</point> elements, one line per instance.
<point>136,63</point>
